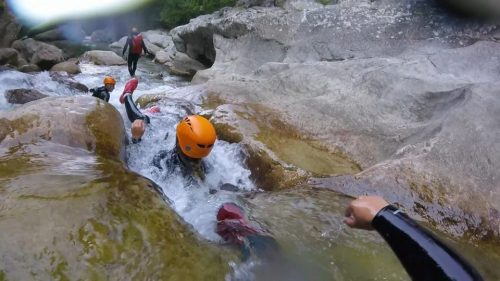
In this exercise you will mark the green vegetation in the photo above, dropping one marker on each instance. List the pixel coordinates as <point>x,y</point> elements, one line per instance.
<point>179,12</point>
<point>324,2</point>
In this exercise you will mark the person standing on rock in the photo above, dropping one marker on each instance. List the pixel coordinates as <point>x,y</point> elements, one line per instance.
<point>135,45</point>
<point>423,255</point>
<point>103,92</point>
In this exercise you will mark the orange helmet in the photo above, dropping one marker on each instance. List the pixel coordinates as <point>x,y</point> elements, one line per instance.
<point>109,80</point>
<point>196,136</point>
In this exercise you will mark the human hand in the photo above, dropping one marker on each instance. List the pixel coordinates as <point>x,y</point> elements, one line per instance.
<point>360,212</point>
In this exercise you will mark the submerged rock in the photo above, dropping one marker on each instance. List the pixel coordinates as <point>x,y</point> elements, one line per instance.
<point>22,96</point>
<point>71,210</point>
<point>69,82</point>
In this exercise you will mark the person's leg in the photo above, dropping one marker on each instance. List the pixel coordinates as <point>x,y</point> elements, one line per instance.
<point>134,66</point>
<point>133,112</point>
<point>130,60</point>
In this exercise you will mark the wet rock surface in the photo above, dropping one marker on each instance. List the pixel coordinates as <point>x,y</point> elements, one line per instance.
<point>22,96</point>
<point>72,210</point>
<point>393,85</point>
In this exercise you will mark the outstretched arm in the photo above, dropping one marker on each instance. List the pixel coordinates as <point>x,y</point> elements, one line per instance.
<point>423,255</point>
<point>126,46</point>
<point>144,47</point>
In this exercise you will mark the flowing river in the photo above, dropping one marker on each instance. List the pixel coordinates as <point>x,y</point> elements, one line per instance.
<point>306,222</point>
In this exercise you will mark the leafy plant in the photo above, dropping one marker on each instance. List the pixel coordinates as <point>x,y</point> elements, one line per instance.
<point>178,12</point>
<point>324,2</point>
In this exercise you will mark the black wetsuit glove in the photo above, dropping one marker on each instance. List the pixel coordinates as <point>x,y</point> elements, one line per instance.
<point>423,256</point>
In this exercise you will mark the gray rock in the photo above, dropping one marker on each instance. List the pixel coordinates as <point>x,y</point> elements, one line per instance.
<point>119,44</point>
<point>163,56</point>
<point>399,86</point>
<point>103,58</point>
<point>70,67</point>
<point>47,56</point>
<point>39,53</point>
<point>69,82</point>
<point>29,68</point>
<point>159,38</point>
<point>71,49</point>
<point>9,56</point>
<point>152,48</point>
<point>22,96</point>
<point>50,35</point>
<point>229,187</point>
<point>183,65</point>
<point>9,28</point>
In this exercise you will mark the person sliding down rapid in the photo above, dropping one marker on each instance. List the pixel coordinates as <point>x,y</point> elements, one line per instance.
<point>103,92</point>
<point>195,138</point>
<point>135,45</point>
<point>136,117</point>
<point>235,229</point>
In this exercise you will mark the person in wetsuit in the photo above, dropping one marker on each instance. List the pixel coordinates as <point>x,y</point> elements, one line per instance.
<point>135,45</point>
<point>136,117</point>
<point>423,255</point>
<point>103,92</point>
<point>195,137</point>
<point>234,228</point>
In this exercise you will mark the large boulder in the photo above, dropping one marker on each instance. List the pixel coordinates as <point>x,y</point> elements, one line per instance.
<point>22,96</point>
<point>103,58</point>
<point>47,56</point>
<point>9,56</point>
<point>182,65</point>
<point>159,38</point>
<point>50,35</point>
<point>9,27</point>
<point>27,47</point>
<point>70,67</point>
<point>119,44</point>
<point>72,210</point>
<point>402,88</point>
<point>39,53</point>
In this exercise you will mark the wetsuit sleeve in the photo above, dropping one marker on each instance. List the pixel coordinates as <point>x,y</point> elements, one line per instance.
<point>423,256</point>
<point>158,158</point>
<point>126,45</point>
<point>96,92</point>
<point>106,96</point>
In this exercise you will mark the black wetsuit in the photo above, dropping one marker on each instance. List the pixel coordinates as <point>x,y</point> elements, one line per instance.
<point>423,256</point>
<point>133,57</point>
<point>174,158</point>
<point>133,113</point>
<point>100,93</point>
